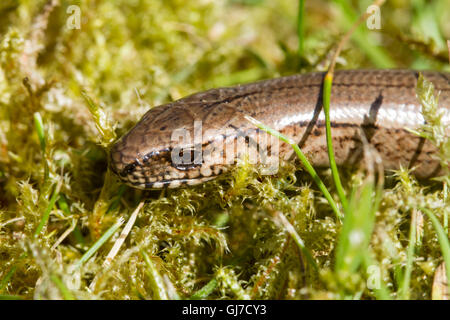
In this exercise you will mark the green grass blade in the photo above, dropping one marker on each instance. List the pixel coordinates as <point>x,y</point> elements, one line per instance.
<point>99,242</point>
<point>63,205</point>
<point>156,281</point>
<point>404,289</point>
<point>39,126</point>
<point>356,231</point>
<point>205,291</point>
<point>6,279</point>
<point>443,241</point>
<point>298,240</point>
<point>383,292</point>
<point>334,170</point>
<point>49,209</point>
<point>67,295</point>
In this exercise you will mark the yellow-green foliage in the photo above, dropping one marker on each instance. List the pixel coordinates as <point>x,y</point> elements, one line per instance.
<point>66,94</point>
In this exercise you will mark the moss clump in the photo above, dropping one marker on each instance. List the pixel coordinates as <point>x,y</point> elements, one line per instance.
<point>66,93</point>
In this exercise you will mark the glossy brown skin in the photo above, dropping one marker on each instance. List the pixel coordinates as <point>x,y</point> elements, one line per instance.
<point>377,103</point>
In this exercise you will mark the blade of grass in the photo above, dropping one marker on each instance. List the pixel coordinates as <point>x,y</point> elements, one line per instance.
<point>65,234</point>
<point>353,248</point>
<point>297,239</point>
<point>67,295</point>
<point>328,81</point>
<point>383,292</point>
<point>39,126</point>
<point>49,208</point>
<point>62,204</point>
<point>126,230</point>
<point>304,161</point>
<point>356,231</point>
<point>334,170</point>
<point>205,291</point>
<point>404,289</point>
<point>156,281</point>
<point>6,279</point>
<point>99,242</point>
<point>442,238</point>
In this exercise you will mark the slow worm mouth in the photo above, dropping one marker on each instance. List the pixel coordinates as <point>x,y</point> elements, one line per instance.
<point>170,184</point>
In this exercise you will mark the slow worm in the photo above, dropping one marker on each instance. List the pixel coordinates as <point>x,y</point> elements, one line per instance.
<point>381,104</point>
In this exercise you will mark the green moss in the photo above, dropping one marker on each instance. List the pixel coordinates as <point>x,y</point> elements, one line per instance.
<point>221,239</point>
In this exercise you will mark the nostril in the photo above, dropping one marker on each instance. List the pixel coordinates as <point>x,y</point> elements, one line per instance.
<point>129,168</point>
